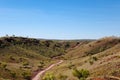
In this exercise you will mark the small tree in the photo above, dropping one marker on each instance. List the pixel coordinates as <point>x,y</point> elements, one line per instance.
<point>13,35</point>
<point>81,74</point>
<point>7,35</point>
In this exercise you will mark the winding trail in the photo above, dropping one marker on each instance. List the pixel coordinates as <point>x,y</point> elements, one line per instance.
<point>37,77</point>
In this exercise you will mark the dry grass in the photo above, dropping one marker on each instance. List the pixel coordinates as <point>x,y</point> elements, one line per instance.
<point>107,51</point>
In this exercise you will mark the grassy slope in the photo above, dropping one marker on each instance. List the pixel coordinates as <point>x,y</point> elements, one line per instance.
<point>15,60</point>
<point>19,56</point>
<point>106,50</point>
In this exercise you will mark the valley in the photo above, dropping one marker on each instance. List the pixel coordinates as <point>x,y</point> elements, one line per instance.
<point>39,59</point>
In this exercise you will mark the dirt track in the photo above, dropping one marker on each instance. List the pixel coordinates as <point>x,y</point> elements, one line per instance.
<point>37,77</point>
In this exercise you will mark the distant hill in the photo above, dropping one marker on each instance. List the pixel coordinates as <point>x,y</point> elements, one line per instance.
<point>94,47</point>
<point>47,48</point>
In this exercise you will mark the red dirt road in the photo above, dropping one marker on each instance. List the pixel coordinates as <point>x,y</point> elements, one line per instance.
<point>37,77</point>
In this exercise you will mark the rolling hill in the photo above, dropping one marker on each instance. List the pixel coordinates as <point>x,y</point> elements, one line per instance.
<point>100,57</point>
<point>21,57</point>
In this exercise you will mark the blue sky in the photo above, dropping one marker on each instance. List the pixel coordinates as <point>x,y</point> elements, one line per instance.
<point>60,19</point>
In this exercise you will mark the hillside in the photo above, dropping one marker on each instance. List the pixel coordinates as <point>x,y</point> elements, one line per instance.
<point>20,57</point>
<point>100,57</point>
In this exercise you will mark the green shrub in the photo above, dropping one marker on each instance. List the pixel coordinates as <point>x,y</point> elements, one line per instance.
<point>12,58</point>
<point>70,65</point>
<point>26,75</point>
<point>91,62</point>
<point>49,77</point>
<point>92,59</point>
<point>81,74</point>
<point>3,65</point>
<point>95,58</point>
<point>40,66</point>
<point>13,74</point>
<point>62,77</point>
<point>25,63</point>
